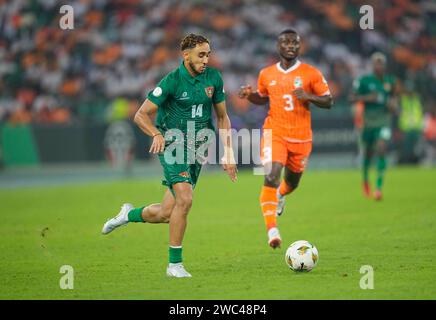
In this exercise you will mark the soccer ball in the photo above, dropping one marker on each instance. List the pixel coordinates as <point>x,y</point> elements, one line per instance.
<point>301,256</point>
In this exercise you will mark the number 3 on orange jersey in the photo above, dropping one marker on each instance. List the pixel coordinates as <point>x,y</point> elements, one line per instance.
<point>289,101</point>
<point>267,155</point>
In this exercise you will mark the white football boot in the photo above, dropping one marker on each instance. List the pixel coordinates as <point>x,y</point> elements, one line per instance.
<point>274,239</point>
<point>177,270</point>
<point>120,220</point>
<point>280,203</point>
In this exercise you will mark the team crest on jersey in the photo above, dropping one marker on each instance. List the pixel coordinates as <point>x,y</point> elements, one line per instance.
<point>298,83</point>
<point>209,91</point>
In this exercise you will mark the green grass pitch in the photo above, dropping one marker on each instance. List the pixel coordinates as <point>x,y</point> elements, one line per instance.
<point>225,247</point>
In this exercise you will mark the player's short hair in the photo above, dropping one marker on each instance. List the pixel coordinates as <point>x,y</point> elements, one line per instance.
<point>289,30</point>
<point>191,40</point>
<point>378,56</point>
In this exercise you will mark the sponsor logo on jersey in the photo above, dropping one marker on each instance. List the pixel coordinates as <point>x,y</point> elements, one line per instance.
<point>184,96</point>
<point>209,91</point>
<point>273,83</point>
<point>298,83</point>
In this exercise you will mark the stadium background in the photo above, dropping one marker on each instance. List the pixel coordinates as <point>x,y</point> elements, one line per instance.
<point>62,88</point>
<point>67,96</point>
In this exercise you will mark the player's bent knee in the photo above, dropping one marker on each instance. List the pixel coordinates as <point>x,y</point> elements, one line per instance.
<point>184,201</point>
<point>166,217</point>
<point>292,184</point>
<point>165,214</point>
<point>272,180</point>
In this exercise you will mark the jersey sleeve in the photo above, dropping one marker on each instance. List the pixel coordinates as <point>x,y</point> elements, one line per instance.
<point>319,84</point>
<point>262,88</point>
<point>161,93</point>
<point>359,86</point>
<point>219,94</point>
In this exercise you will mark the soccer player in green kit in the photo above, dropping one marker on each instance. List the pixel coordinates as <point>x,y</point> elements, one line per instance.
<point>183,98</point>
<point>376,91</point>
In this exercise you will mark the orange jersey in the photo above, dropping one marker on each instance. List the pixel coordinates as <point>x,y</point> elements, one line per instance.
<point>289,117</point>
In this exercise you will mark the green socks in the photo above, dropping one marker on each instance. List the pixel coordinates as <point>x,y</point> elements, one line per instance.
<point>366,165</point>
<point>381,167</point>
<point>175,254</point>
<point>134,215</point>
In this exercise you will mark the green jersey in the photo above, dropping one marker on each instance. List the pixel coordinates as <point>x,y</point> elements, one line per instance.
<point>182,98</point>
<point>185,102</point>
<point>376,114</point>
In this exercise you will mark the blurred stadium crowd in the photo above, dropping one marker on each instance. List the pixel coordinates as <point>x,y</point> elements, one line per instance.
<point>118,50</point>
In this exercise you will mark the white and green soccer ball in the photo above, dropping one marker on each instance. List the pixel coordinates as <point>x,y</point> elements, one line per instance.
<point>301,256</point>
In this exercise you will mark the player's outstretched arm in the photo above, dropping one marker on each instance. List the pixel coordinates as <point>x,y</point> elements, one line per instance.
<point>224,127</point>
<point>325,102</point>
<point>245,92</point>
<point>143,121</point>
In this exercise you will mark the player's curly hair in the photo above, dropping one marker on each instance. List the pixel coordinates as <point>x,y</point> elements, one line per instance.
<point>191,40</point>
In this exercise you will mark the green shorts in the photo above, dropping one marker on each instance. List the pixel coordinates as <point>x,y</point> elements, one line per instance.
<point>179,172</point>
<point>370,136</point>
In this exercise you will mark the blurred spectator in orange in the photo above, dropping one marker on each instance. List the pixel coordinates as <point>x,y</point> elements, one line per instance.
<point>60,115</point>
<point>21,115</point>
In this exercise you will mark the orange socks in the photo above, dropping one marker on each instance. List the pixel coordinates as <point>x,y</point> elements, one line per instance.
<point>268,204</point>
<point>284,188</point>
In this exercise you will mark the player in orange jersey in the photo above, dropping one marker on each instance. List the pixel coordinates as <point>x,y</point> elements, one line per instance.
<point>289,86</point>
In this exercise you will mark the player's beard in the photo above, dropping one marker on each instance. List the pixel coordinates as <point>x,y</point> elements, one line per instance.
<point>192,66</point>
